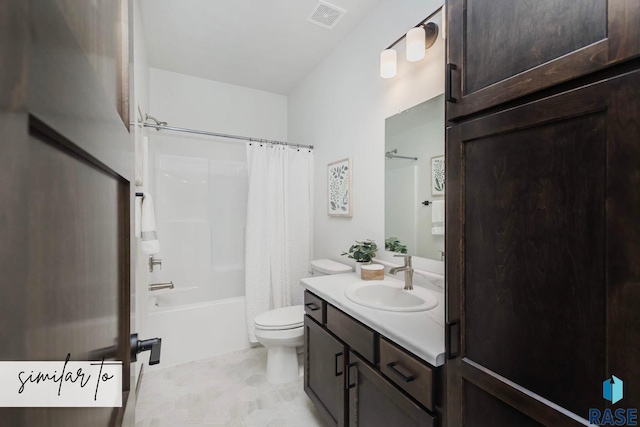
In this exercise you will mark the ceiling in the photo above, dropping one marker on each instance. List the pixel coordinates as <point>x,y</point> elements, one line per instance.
<point>261,44</point>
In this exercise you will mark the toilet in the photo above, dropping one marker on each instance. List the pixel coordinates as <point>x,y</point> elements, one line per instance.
<point>281,330</point>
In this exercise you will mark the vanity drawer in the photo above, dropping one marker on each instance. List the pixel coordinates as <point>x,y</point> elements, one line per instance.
<point>353,333</point>
<point>314,307</point>
<point>407,372</point>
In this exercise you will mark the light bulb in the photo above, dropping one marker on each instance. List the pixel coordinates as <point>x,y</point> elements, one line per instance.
<point>416,44</point>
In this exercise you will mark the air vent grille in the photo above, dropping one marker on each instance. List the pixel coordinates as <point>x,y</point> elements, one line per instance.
<point>326,15</point>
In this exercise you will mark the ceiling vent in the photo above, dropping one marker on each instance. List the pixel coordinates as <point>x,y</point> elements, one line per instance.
<point>326,15</point>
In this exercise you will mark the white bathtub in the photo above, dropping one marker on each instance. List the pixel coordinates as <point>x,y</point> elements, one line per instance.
<point>192,330</point>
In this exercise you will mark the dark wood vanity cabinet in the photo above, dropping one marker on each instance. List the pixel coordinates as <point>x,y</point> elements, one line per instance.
<point>324,372</point>
<point>499,50</point>
<point>355,377</point>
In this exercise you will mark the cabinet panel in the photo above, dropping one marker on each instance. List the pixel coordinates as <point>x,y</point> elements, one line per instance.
<point>352,332</point>
<point>492,56</point>
<point>324,372</point>
<point>504,49</point>
<point>374,402</point>
<point>535,203</point>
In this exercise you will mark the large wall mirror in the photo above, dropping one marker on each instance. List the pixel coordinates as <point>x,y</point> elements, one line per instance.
<point>414,180</point>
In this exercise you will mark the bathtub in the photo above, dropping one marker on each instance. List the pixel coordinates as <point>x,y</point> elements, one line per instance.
<point>193,330</point>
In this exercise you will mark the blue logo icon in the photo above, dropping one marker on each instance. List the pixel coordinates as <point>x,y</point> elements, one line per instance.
<point>612,389</point>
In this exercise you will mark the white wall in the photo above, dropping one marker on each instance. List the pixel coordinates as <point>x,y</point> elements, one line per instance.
<point>141,62</point>
<point>193,102</point>
<point>341,107</point>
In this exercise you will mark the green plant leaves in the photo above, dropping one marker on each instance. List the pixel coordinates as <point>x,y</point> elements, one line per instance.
<point>362,251</point>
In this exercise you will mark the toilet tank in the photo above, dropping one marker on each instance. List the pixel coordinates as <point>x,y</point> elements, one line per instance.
<point>321,267</point>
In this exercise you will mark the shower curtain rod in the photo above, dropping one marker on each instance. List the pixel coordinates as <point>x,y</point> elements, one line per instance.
<point>163,126</point>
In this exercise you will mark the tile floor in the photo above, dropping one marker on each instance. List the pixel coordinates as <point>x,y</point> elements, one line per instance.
<point>225,390</point>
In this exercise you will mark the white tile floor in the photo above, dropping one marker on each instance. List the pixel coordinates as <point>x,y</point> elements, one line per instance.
<point>226,390</point>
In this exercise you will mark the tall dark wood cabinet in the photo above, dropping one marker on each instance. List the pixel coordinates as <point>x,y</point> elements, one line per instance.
<point>543,201</point>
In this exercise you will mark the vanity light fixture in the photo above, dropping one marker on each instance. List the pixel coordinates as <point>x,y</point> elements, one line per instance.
<point>418,40</point>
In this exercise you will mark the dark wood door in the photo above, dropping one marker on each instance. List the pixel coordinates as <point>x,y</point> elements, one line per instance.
<point>65,192</point>
<point>543,278</point>
<point>499,50</point>
<point>375,402</point>
<point>324,365</point>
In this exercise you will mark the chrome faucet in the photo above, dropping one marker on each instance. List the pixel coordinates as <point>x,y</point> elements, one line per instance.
<point>154,261</point>
<point>408,271</point>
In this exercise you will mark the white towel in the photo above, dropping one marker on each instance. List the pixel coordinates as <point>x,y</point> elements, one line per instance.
<point>150,244</point>
<point>437,217</point>
<point>138,212</point>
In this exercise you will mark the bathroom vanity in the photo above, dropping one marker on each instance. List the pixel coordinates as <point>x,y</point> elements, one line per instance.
<point>369,367</point>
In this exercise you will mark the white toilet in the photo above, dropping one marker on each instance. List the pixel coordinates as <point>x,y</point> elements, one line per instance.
<point>281,330</point>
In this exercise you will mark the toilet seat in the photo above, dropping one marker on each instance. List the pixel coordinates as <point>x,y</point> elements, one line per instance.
<point>280,319</point>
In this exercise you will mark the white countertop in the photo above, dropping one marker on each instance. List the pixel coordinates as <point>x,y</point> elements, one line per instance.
<point>421,333</point>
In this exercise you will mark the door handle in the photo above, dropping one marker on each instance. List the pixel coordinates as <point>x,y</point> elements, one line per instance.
<point>449,334</point>
<point>138,346</point>
<point>336,364</point>
<point>406,377</point>
<point>449,96</point>
<point>355,382</point>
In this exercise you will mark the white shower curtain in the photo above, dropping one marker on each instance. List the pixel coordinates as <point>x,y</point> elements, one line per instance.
<point>278,237</point>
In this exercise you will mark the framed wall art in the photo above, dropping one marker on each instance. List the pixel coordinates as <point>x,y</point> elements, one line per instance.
<point>339,199</point>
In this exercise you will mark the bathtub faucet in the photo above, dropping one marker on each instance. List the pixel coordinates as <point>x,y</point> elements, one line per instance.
<point>158,286</point>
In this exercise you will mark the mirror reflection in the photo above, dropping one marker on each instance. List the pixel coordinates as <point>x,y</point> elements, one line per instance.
<point>414,180</point>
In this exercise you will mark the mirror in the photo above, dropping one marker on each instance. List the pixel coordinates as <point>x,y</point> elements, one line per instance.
<point>414,180</point>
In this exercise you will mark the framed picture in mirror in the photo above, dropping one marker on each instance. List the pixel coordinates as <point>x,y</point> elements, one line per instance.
<point>437,176</point>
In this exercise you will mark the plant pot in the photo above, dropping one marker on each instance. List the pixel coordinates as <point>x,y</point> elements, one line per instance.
<point>359,267</point>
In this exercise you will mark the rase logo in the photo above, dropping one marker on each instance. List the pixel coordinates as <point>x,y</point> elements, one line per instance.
<point>613,391</point>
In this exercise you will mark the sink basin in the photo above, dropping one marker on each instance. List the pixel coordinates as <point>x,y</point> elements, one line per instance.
<point>390,296</point>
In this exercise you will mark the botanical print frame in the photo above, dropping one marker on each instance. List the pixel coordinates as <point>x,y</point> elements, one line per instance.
<point>437,176</point>
<point>339,198</point>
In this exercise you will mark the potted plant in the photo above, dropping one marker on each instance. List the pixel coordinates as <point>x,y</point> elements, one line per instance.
<point>393,244</point>
<point>362,252</point>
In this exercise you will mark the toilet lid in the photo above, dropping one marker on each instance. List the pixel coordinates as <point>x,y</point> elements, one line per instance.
<point>328,266</point>
<point>281,318</point>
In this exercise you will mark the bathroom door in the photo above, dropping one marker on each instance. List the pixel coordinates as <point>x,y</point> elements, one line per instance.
<point>65,193</point>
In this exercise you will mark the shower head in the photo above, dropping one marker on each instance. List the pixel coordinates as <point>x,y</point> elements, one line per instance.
<point>158,122</point>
